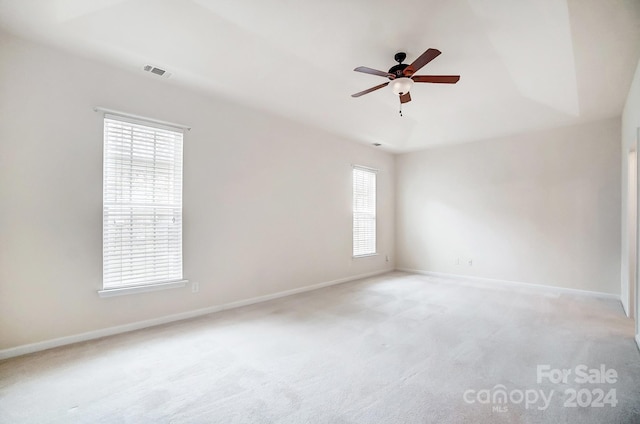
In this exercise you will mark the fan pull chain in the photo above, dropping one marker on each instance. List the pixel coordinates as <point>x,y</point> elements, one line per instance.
<point>400,109</point>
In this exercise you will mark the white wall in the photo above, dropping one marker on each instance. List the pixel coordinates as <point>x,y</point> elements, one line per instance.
<point>541,208</point>
<point>630,134</point>
<point>267,202</point>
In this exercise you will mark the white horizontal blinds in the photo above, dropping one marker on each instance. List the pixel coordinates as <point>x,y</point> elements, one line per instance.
<point>364,211</point>
<point>142,203</point>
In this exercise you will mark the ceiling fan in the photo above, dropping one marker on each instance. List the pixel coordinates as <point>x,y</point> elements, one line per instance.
<point>402,76</point>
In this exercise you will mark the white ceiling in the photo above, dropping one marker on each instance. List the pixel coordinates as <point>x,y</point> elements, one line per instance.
<point>524,65</point>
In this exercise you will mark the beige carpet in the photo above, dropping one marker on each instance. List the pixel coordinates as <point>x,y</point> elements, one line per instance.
<point>398,348</point>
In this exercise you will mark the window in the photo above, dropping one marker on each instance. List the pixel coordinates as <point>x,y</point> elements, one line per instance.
<point>364,211</point>
<point>142,204</point>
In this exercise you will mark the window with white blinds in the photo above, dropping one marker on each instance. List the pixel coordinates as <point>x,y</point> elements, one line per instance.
<point>364,211</point>
<point>142,203</point>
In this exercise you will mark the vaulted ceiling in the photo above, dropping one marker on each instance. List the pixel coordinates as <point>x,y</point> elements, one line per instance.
<point>524,65</point>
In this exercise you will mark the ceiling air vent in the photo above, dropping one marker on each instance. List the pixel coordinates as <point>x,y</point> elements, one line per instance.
<point>158,71</point>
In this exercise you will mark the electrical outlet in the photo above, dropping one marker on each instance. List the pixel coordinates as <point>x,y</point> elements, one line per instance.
<point>386,258</point>
<point>195,287</point>
<point>470,262</point>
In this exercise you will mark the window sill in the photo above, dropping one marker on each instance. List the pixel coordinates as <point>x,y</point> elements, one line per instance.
<point>365,256</point>
<point>120,291</point>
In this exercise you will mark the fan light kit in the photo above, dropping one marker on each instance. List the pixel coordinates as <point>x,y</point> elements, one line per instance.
<point>402,76</point>
<point>401,86</point>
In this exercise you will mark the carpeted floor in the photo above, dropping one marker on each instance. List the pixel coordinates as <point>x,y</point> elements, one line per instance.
<point>398,348</point>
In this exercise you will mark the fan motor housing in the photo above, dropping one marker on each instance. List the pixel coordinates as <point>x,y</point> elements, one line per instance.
<point>398,70</point>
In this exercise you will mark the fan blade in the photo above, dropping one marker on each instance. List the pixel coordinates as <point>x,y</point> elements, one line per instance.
<point>366,70</point>
<point>377,87</point>
<point>405,98</point>
<point>438,79</point>
<point>425,58</point>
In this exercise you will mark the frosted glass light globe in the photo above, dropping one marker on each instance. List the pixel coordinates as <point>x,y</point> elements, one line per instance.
<point>401,85</point>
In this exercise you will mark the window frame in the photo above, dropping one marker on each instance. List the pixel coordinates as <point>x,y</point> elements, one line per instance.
<point>159,129</point>
<point>373,213</point>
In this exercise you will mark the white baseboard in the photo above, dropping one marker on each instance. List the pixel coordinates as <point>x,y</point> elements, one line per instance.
<point>96,334</point>
<point>514,283</point>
